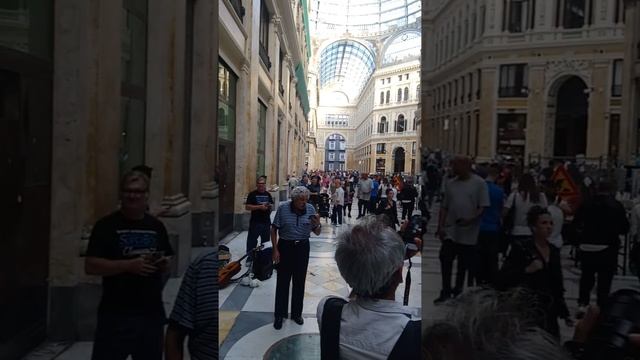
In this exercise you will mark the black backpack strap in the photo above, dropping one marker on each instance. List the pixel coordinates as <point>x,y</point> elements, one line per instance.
<point>330,330</point>
<point>408,346</point>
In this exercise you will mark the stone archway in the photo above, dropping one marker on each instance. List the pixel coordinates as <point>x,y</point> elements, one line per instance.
<point>398,160</point>
<point>568,107</point>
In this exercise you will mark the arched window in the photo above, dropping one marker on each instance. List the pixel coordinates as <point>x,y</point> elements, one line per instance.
<point>406,94</point>
<point>399,95</point>
<point>388,95</point>
<point>401,124</point>
<point>381,98</point>
<point>382,126</point>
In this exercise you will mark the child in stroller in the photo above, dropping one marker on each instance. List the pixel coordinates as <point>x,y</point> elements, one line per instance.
<point>324,206</point>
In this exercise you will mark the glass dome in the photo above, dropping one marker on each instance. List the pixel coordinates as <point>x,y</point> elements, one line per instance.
<point>347,64</point>
<point>362,17</point>
<point>403,47</point>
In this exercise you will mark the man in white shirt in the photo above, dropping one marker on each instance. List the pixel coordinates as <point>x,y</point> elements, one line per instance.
<point>372,325</point>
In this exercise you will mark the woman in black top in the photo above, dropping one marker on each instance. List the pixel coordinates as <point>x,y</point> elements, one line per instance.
<point>536,265</point>
<point>387,206</point>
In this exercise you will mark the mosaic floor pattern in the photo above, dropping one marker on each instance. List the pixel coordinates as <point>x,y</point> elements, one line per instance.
<point>246,314</point>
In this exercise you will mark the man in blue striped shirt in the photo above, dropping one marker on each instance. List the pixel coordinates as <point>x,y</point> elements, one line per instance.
<point>294,222</point>
<point>195,312</point>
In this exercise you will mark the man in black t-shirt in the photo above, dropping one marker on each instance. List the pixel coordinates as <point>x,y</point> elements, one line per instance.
<point>260,203</point>
<point>130,249</point>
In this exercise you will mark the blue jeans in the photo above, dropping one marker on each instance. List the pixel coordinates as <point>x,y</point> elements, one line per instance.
<point>263,230</point>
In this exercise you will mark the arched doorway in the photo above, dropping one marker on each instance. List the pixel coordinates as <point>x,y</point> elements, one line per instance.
<point>398,160</point>
<point>335,157</point>
<point>571,118</point>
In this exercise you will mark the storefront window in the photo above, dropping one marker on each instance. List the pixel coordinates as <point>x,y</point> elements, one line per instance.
<point>511,134</point>
<point>27,26</point>
<point>227,82</point>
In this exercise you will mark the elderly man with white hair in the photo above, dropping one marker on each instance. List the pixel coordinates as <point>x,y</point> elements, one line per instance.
<point>372,325</point>
<point>293,223</point>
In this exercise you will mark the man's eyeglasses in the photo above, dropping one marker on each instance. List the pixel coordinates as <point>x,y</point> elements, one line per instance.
<point>261,184</point>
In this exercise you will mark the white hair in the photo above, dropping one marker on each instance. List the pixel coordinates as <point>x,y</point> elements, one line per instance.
<point>487,324</point>
<point>368,255</point>
<point>299,192</point>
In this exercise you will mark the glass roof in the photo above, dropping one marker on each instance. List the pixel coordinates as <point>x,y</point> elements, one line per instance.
<point>403,47</point>
<point>362,17</point>
<point>347,64</point>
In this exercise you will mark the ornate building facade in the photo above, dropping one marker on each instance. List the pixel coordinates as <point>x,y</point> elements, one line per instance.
<point>527,79</point>
<point>263,99</point>
<point>367,80</point>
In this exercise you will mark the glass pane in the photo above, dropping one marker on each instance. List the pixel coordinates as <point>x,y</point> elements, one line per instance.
<point>226,103</point>
<point>134,42</point>
<point>27,26</point>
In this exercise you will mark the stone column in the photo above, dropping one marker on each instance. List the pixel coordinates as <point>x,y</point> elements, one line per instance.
<point>487,130</point>
<point>536,132</point>
<point>598,123</point>
<point>203,190</point>
<point>165,118</point>
<point>630,108</point>
<point>85,146</point>
<point>271,152</point>
<point>245,150</point>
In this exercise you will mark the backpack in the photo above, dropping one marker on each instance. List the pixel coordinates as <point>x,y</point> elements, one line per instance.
<point>263,264</point>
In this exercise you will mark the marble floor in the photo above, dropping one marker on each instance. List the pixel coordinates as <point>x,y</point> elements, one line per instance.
<point>246,314</point>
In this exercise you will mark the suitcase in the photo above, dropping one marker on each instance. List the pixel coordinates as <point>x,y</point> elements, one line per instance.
<point>263,264</point>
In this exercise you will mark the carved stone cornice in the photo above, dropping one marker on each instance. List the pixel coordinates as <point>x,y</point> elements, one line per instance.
<point>556,69</point>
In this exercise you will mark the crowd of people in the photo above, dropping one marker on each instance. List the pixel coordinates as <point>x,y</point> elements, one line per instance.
<point>507,236</point>
<point>371,193</point>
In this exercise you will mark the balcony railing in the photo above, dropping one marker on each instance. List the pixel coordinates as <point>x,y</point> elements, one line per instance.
<point>513,91</point>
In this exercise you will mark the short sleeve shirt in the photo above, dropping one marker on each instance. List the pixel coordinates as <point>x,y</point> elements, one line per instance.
<point>369,329</point>
<point>196,307</point>
<point>115,237</point>
<point>523,206</point>
<point>462,198</point>
<point>291,224</point>
<point>258,198</point>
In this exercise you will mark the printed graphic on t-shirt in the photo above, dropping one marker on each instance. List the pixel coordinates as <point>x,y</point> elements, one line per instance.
<point>262,199</point>
<point>137,242</point>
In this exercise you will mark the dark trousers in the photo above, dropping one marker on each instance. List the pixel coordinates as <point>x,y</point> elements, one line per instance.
<point>407,210</point>
<point>362,207</point>
<point>263,230</point>
<point>117,337</point>
<point>488,246</point>
<point>603,263</point>
<point>450,251</point>
<point>294,259</point>
<point>336,217</point>
<point>347,212</point>
<point>372,205</point>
